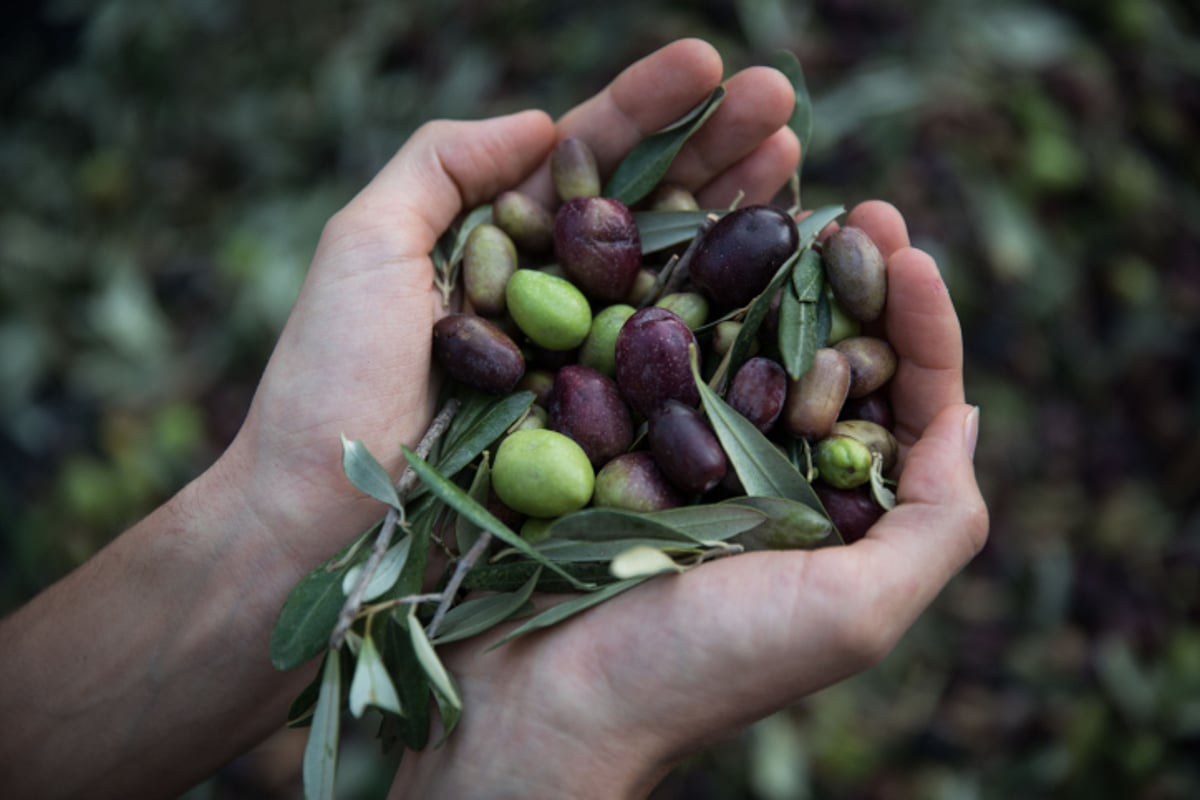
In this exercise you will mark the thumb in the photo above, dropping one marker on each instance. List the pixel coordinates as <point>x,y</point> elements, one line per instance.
<point>446,167</point>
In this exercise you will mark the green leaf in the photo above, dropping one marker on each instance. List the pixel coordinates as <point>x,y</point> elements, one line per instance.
<point>371,685</point>
<point>646,164</point>
<point>412,686</point>
<point>445,691</point>
<point>367,474</point>
<point>300,712</point>
<point>802,113</point>
<point>710,522</point>
<point>759,465</point>
<point>568,550</point>
<point>483,423</point>
<point>611,524</point>
<point>567,609</point>
<point>386,574</point>
<point>642,561</point>
<point>511,575</point>
<point>789,525</point>
<point>659,230</point>
<point>307,617</point>
<point>811,226</point>
<point>474,616</point>
<point>461,502</point>
<point>321,751</point>
<point>474,219</point>
<point>799,313</point>
<point>880,491</point>
<point>466,532</point>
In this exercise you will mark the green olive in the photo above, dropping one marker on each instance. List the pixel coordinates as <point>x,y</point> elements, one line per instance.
<point>548,309</point>
<point>600,347</point>
<point>542,473</point>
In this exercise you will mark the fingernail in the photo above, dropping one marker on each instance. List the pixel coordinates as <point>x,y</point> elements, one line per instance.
<point>971,431</point>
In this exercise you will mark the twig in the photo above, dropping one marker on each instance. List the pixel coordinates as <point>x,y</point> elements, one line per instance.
<point>464,566</point>
<point>405,484</point>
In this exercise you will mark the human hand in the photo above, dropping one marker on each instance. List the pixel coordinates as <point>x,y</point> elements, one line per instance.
<point>604,705</point>
<point>354,356</point>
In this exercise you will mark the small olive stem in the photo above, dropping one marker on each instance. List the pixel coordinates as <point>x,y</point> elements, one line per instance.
<point>395,515</point>
<point>465,564</point>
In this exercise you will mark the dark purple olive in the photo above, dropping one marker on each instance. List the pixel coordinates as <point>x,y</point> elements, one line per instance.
<point>475,352</point>
<point>739,256</point>
<point>652,360</point>
<point>853,511</point>
<point>634,482</point>
<point>685,448</point>
<point>587,407</point>
<point>874,407</point>
<point>598,246</point>
<point>758,391</point>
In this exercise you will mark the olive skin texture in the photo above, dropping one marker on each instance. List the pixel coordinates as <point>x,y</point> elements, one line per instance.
<point>873,407</point>
<point>633,482</point>
<point>476,353</point>
<point>600,347</point>
<point>872,363</point>
<point>573,170</point>
<point>737,258</point>
<point>542,473</point>
<point>842,461</point>
<point>587,407</point>
<point>527,222</point>
<point>876,438</point>
<point>815,400</point>
<point>548,309</point>
<point>758,392</point>
<point>856,273</point>
<point>685,448</point>
<point>853,511</point>
<point>597,244</point>
<point>652,361</point>
<point>489,260</point>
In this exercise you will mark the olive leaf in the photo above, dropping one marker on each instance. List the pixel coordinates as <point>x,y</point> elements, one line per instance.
<point>386,574</point>
<point>466,532</point>
<point>788,525</point>
<point>686,524</point>
<point>308,615</point>
<point>412,686</point>
<point>760,466</point>
<point>461,502</point>
<point>300,712</point>
<point>481,421</point>
<point>479,614</point>
<point>801,121</point>
<point>799,328</point>
<point>321,750</point>
<point>511,575</point>
<point>568,550</point>
<point>445,689</point>
<point>447,253</point>
<point>646,164</point>
<point>568,609</point>
<point>880,491</point>
<point>659,230</point>
<point>811,226</point>
<point>366,473</point>
<point>371,684</point>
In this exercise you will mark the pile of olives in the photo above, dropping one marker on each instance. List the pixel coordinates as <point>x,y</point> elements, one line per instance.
<point>565,304</point>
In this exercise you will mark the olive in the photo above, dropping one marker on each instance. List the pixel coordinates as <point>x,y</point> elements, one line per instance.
<point>475,352</point>
<point>737,258</point>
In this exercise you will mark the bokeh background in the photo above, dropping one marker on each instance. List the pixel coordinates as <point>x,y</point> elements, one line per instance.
<point>166,167</point>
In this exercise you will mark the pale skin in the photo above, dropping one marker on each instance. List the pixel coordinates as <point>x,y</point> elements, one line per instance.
<point>148,668</point>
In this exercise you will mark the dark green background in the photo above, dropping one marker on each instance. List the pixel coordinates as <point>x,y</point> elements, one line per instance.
<point>166,168</point>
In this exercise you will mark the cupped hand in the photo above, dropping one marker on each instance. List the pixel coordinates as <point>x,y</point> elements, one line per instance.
<point>354,356</point>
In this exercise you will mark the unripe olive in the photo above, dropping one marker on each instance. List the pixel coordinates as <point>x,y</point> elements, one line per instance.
<point>542,473</point>
<point>742,252</point>
<point>527,222</point>
<point>842,461</point>
<point>856,273</point>
<point>549,310</point>
<point>872,363</point>
<point>652,361</point>
<point>600,347</point>
<point>573,169</point>
<point>536,529</point>
<point>588,407</point>
<point>541,383</point>
<point>814,401</point>
<point>692,307</point>
<point>598,246</point>
<point>643,283</point>
<point>877,439</point>
<point>475,352</point>
<point>633,481</point>
<point>537,417</point>
<point>725,333</point>
<point>489,260</point>
<point>841,325</point>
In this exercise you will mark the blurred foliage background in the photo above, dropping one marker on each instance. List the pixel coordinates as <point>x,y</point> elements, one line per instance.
<point>168,164</point>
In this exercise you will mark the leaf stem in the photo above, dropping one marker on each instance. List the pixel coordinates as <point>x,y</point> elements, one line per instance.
<point>395,515</point>
<point>465,564</point>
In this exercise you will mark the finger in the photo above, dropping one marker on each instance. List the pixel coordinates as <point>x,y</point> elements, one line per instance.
<point>760,175</point>
<point>646,96</point>
<point>939,523</point>
<point>445,168</point>
<point>882,223</point>
<point>758,102</point>
<point>921,325</point>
